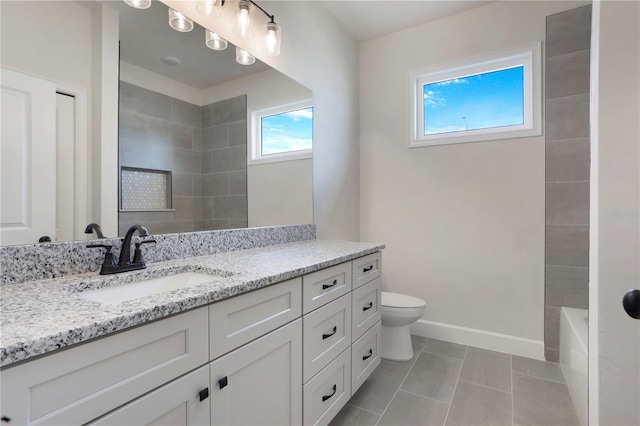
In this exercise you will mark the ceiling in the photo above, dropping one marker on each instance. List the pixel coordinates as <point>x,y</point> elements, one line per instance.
<point>146,37</point>
<point>366,20</point>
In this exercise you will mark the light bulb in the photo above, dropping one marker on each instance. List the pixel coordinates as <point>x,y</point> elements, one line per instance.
<point>243,19</point>
<point>272,38</point>
<point>179,22</point>
<point>139,4</point>
<point>210,7</point>
<point>214,41</point>
<point>243,57</point>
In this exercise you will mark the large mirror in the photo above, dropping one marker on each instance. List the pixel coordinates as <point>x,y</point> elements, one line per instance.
<point>183,124</point>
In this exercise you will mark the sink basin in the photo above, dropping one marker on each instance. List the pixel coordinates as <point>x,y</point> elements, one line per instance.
<point>148,287</point>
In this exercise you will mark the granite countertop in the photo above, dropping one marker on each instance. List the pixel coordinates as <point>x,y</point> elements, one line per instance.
<point>39,317</point>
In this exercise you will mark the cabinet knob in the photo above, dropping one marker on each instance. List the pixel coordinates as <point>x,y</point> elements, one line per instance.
<point>367,269</point>
<point>204,394</point>
<point>367,356</point>
<point>5,419</point>
<point>369,306</point>
<point>223,382</point>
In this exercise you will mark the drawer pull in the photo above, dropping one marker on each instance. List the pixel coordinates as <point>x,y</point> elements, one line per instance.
<point>366,308</point>
<point>326,286</point>
<point>367,269</point>
<point>327,335</point>
<point>223,382</point>
<point>204,394</point>
<point>325,397</point>
<point>367,356</point>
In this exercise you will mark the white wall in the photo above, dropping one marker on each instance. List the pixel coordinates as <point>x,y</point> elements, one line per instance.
<point>155,82</point>
<point>319,54</point>
<point>463,224</point>
<point>32,36</point>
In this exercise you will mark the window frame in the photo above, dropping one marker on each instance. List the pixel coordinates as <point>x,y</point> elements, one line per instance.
<point>255,155</point>
<point>528,56</point>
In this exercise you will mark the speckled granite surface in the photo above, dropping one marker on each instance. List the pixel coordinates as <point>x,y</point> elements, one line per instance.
<point>42,316</point>
<point>19,264</point>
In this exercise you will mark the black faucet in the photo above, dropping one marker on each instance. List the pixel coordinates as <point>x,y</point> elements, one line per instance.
<point>125,264</point>
<point>125,251</point>
<point>94,227</point>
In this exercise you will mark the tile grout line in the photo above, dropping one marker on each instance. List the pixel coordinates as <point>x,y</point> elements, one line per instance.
<point>399,386</point>
<point>485,387</point>
<point>363,409</point>
<point>423,397</point>
<point>466,350</point>
<point>512,392</point>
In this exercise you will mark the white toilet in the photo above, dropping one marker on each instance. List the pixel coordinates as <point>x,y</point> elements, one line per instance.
<point>398,311</point>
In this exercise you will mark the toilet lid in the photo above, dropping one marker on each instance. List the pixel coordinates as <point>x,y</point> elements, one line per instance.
<point>397,300</point>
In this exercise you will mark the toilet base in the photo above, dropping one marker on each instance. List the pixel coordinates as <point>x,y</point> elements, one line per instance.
<point>396,343</point>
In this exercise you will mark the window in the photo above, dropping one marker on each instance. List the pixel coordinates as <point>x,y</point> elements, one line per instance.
<point>496,96</point>
<point>282,133</point>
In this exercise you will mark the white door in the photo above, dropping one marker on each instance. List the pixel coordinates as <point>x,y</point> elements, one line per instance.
<point>615,242</point>
<point>28,159</point>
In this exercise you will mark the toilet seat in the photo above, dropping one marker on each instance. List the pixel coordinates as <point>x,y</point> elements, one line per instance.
<point>397,300</point>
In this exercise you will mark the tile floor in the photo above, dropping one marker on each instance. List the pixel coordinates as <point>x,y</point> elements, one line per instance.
<point>450,384</point>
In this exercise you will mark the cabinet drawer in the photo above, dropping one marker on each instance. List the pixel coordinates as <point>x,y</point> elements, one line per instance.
<point>82,383</point>
<point>234,322</point>
<point>328,392</point>
<point>365,356</point>
<point>176,403</point>
<point>323,286</point>
<point>365,309</point>
<point>366,268</point>
<point>327,332</point>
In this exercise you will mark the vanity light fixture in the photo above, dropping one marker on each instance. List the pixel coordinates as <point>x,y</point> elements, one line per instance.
<point>139,4</point>
<point>210,7</point>
<point>179,22</point>
<point>243,57</point>
<point>213,8</point>
<point>243,19</point>
<point>272,38</point>
<point>214,41</point>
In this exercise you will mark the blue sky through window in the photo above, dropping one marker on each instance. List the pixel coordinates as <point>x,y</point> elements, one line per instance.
<point>288,131</point>
<point>480,101</point>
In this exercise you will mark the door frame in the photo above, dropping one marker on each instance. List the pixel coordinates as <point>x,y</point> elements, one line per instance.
<point>81,154</point>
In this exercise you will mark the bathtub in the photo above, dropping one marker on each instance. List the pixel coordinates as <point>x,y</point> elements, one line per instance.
<point>574,332</point>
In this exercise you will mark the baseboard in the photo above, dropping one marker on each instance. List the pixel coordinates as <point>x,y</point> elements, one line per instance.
<point>480,338</point>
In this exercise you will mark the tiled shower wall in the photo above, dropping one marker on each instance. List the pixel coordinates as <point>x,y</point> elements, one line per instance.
<point>204,148</point>
<point>224,164</point>
<point>567,168</point>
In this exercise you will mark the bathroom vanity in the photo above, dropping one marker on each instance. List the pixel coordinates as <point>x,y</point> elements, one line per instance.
<point>282,334</point>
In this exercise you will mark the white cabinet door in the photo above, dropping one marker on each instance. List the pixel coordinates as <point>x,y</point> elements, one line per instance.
<point>181,402</point>
<point>261,382</point>
<point>28,159</point>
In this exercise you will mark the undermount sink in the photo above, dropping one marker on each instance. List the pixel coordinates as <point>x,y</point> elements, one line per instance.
<point>148,287</point>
